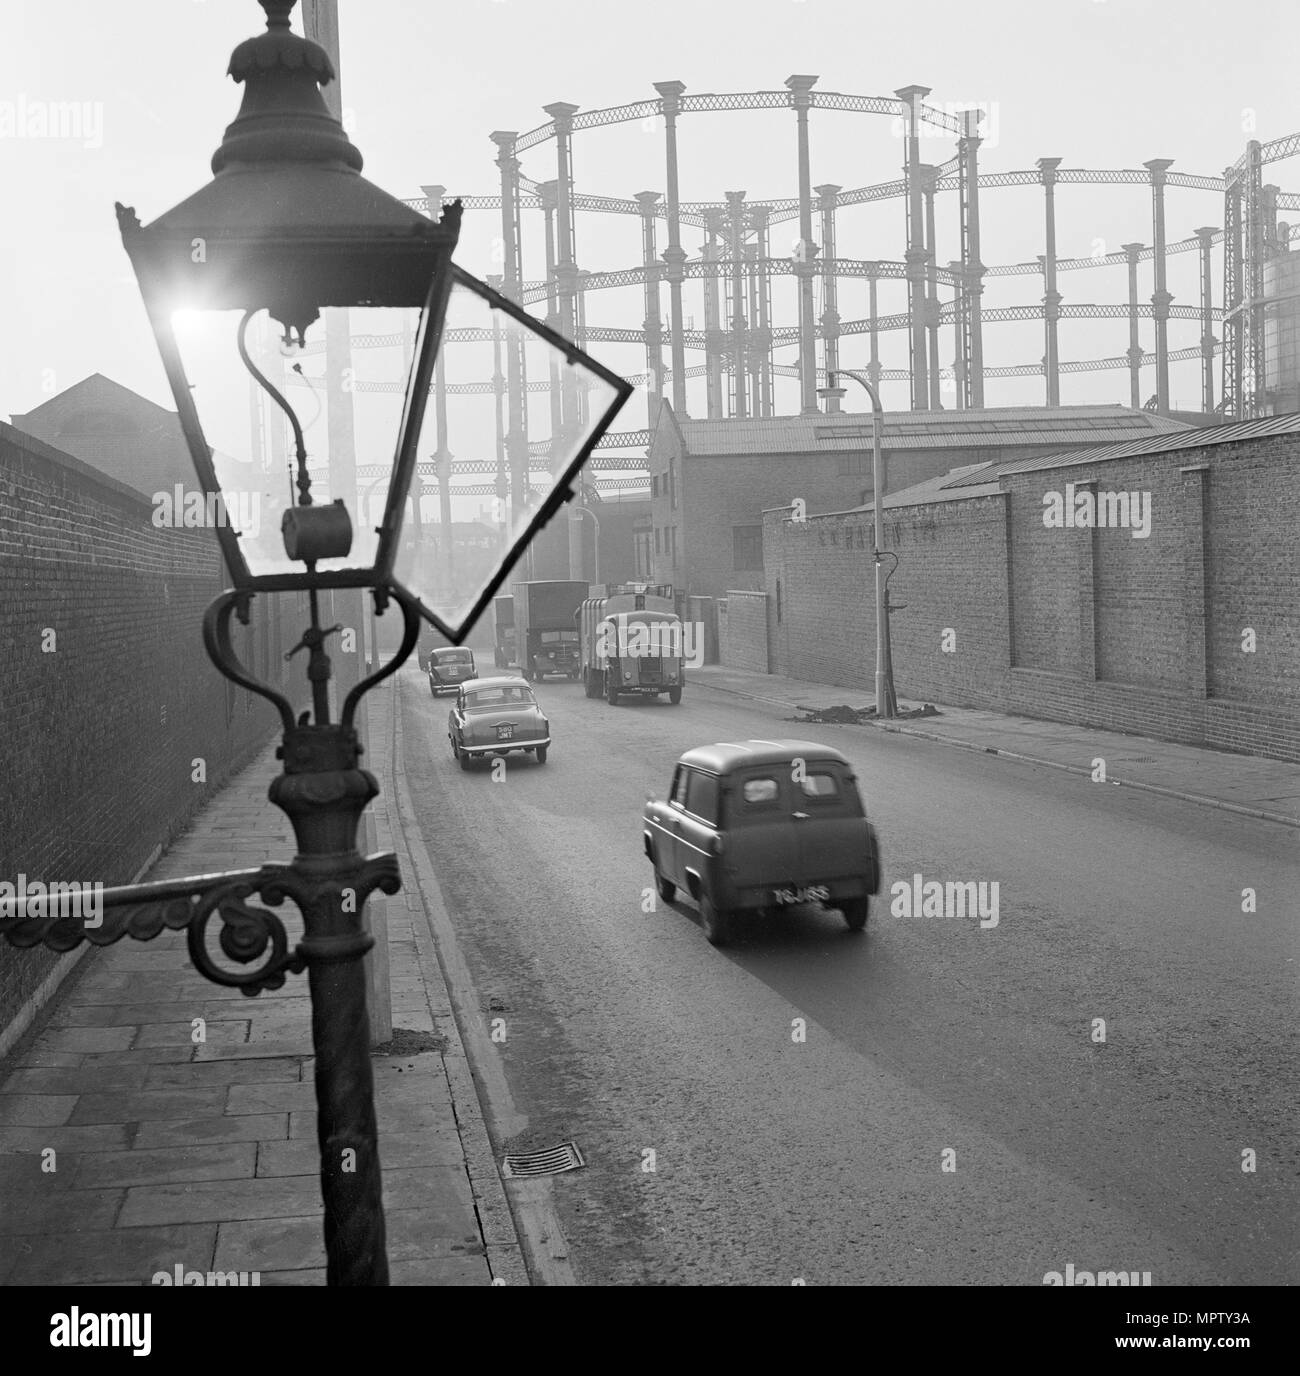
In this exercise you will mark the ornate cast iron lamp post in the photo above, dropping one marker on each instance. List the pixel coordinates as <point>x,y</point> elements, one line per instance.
<point>288,226</point>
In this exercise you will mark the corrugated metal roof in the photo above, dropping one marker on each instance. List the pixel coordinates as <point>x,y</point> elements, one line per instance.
<point>998,427</point>
<point>976,480</point>
<point>965,477</point>
<point>1288,424</point>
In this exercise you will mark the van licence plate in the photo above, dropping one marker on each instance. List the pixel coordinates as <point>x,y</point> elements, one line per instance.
<point>811,893</point>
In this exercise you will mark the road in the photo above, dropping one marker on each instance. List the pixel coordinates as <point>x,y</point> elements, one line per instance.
<point>948,1114</point>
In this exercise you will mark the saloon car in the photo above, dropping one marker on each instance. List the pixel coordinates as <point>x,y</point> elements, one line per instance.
<point>754,826</point>
<point>449,667</point>
<point>494,716</point>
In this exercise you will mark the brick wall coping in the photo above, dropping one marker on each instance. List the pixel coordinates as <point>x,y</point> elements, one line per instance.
<point>20,439</point>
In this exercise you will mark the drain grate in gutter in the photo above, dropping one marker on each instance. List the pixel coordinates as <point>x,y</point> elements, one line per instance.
<point>552,1161</point>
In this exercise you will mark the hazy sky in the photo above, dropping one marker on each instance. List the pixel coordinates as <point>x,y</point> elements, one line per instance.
<point>1099,83</point>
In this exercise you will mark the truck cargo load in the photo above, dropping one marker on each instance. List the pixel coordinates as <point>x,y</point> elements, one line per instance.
<point>546,636</point>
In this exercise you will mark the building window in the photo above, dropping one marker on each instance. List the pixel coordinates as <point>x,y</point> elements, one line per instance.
<point>654,485</point>
<point>778,601</point>
<point>657,549</point>
<point>672,485</point>
<point>672,531</point>
<point>747,548</point>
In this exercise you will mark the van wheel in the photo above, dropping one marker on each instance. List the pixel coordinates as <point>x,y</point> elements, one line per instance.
<point>674,696</point>
<point>667,889</point>
<point>716,922</point>
<point>855,913</point>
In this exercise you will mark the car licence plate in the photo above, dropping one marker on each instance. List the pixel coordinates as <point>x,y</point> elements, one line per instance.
<point>811,893</point>
<point>505,733</point>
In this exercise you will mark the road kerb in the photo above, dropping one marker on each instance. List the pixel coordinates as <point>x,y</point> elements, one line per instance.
<point>514,1221</point>
<point>1259,814</point>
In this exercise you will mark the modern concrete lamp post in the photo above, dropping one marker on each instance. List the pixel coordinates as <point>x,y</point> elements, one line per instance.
<point>288,227</point>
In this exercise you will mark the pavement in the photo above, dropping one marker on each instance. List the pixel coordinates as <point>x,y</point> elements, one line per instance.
<point>1245,784</point>
<point>151,1120</point>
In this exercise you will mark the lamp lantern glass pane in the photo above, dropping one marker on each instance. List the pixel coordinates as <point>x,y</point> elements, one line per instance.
<point>491,474</point>
<point>348,398</point>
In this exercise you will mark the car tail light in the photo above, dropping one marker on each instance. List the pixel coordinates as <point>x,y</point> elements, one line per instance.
<point>717,846</point>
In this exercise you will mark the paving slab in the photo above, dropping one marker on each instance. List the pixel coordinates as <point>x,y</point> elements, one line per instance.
<point>251,1051</point>
<point>217,1201</point>
<point>55,1211</point>
<point>182,1033</point>
<point>393,1117</point>
<point>101,1137</point>
<point>270,1098</point>
<point>92,1039</point>
<point>29,1056</point>
<point>189,1132</point>
<point>149,1105</point>
<point>122,1014</point>
<point>294,1277</point>
<point>167,1165</point>
<point>273,1244</point>
<point>22,1172</point>
<point>173,1054</point>
<point>434,1271</point>
<point>425,1148</point>
<point>127,1255</point>
<point>224,1072</point>
<point>36,1110</point>
<point>84,1079</point>
<point>416,1233</point>
<point>442,1188</point>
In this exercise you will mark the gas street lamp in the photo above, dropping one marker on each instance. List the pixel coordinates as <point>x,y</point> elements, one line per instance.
<point>289,229</point>
<point>886,702</point>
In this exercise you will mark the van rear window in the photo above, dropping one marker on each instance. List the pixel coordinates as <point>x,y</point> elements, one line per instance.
<point>758,792</point>
<point>820,787</point>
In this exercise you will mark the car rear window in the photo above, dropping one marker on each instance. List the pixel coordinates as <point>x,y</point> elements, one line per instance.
<point>453,656</point>
<point>485,699</point>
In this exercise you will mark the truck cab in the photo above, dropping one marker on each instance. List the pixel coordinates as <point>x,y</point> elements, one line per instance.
<point>631,642</point>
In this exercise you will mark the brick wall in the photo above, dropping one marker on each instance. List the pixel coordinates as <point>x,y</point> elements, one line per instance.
<point>951,577</point>
<point>109,696</point>
<point>742,631</point>
<point>1091,626</point>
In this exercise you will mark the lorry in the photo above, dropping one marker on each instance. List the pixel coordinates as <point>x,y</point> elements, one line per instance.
<point>546,637</point>
<point>503,616</point>
<point>631,643</point>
